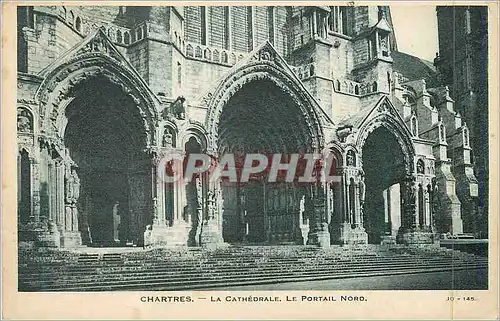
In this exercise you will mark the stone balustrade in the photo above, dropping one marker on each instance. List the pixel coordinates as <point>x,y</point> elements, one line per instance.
<point>212,54</point>
<point>346,86</point>
<point>126,36</point>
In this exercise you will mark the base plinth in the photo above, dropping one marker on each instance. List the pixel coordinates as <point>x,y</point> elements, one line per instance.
<point>70,239</point>
<point>211,236</point>
<point>168,236</point>
<point>356,235</point>
<point>320,238</point>
<point>414,237</point>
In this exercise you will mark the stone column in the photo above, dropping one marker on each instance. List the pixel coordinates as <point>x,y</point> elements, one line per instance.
<point>314,24</point>
<point>345,226</point>
<point>68,187</point>
<point>54,214</point>
<point>160,216</point>
<point>348,201</point>
<point>353,231</point>
<point>180,198</point>
<point>409,233</point>
<point>35,189</point>
<point>357,209</point>
<point>427,210</point>
<point>360,235</point>
<point>319,234</point>
<point>211,232</point>
<point>65,218</point>
<point>50,236</point>
<point>159,232</point>
<point>362,193</point>
<point>409,206</point>
<point>68,197</point>
<point>201,182</point>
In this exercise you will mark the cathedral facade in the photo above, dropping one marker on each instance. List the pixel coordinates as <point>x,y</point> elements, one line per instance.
<point>105,92</point>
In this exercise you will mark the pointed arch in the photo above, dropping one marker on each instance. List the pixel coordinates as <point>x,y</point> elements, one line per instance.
<point>194,130</point>
<point>263,70</point>
<point>55,91</point>
<point>392,122</point>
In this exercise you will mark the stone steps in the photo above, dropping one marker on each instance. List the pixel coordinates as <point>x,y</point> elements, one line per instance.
<point>165,269</point>
<point>228,280</point>
<point>226,266</point>
<point>221,272</point>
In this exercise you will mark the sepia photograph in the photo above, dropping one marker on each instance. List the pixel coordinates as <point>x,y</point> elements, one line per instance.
<point>236,147</point>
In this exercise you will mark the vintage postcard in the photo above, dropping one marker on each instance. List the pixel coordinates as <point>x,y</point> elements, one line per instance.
<point>332,160</point>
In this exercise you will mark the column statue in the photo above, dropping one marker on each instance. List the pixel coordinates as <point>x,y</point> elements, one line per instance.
<point>362,191</point>
<point>211,234</point>
<point>302,207</point>
<point>409,201</point>
<point>199,200</point>
<point>76,186</point>
<point>304,223</point>
<point>155,210</point>
<point>69,184</point>
<point>72,193</point>
<point>116,222</point>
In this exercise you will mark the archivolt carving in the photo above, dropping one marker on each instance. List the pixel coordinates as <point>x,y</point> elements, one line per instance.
<point>262,70</point>
<point>59,86</point>
<point>398,130</point>
<point>100,44</point>
<point>27,101</point>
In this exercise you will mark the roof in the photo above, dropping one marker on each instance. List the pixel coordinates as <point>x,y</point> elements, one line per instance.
<point>414,68</point>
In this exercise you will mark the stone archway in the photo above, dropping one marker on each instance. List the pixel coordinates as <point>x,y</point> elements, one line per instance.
<point>262,118</point>
<point>274,74</point>
<point>388,156</point>
<point>384,174</point>
<point>98,124</point>
<point>106,139</point>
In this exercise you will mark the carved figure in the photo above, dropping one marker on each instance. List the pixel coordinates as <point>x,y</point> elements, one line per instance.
<point>362,190</point>
<point>265,55</point>
<point>76,186</point>
<point>69,185</point>
<point>72,188</point>
<point>167,138</point>
<point>116,221</point>
<point>23,121</point>
<point>351,158</point>
<point>302,208</point>
<point>383,43</point>
<point>178,108</point>
<point>211,203</point>
<point>420,166</point>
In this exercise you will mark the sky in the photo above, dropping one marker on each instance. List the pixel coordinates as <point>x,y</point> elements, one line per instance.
<point>416,29</point>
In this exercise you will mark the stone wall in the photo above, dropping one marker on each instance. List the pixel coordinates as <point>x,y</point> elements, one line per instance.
<point>138,55</point>
<point>48,40</point>
<point>241,28</point>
